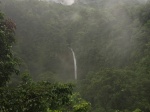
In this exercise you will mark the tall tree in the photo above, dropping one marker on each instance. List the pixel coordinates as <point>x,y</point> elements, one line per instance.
<point>8,63</point>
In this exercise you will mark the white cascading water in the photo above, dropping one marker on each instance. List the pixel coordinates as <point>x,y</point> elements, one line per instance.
<point>75,64</point>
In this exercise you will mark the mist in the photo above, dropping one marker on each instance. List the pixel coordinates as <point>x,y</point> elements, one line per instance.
<point>68,2</point>
<point>101,46</point>
<point>64,2</point>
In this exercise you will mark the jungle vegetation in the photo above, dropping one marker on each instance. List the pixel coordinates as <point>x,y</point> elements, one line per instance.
<point>111,40</point>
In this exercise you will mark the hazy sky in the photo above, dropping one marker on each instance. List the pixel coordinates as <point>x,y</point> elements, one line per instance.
<point>69,2</point>
<point>65,2</point>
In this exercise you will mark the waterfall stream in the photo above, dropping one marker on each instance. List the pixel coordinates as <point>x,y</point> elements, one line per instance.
<point>75,64</point>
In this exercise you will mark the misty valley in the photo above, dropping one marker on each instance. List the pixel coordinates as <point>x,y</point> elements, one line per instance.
<point>74,55</point>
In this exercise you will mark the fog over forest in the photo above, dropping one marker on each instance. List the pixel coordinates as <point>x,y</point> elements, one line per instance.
<point>75,55</point>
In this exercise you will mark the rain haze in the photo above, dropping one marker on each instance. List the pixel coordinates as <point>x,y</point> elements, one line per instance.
<point>75,55</point>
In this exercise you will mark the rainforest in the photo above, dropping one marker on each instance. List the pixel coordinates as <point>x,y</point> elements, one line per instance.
<point>74,56</point>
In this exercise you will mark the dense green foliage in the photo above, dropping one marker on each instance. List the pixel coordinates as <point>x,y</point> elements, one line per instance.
<point>111,39</point>
<point>36,97</point>
<point>30,96</point>
<point>41,97</point>
<point>8,62</point>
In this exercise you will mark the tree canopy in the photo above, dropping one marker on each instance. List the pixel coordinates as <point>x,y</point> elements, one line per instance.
<point>8,62</point>
<point>29,95</point>
<point>110,38</point>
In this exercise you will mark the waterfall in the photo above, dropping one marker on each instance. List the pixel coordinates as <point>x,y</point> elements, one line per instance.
<point>75,64</point>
